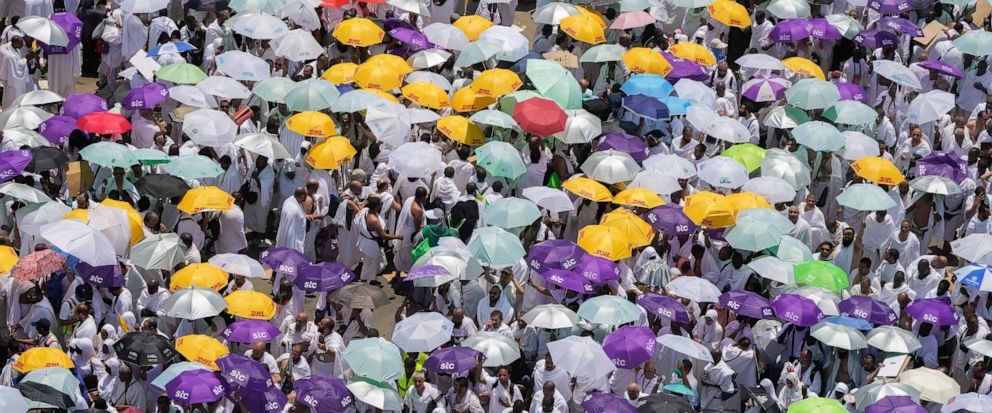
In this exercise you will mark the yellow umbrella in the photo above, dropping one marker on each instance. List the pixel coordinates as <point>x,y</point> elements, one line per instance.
<point>379,75</point>
<point>588,189</point>
<point>638,197</point>
<point>472,26</point>
<point>133,218</point>
<point>340,73</point>
<point>496,82</point>
<point>594,13</point>
<point>710,210</point>
<point>804,67</point>
<point>200,275</point>
<point>638,231</point>
<point>250,304</point>
<point>42,357</point>
<point>731,13</point>
<point>694,52</point>
<point>585,27</point>
<point>460,129</point>
<point>358,31</point>
<point>79,215</point>
<point>399,63</point>
<point>605,241</point>
<point>467,99</point>
<point>747,200</point>
<point>426,94</point>
<point>331,153</point>
<point>314,124</point>
<point>644,60</point>
<point>878,170</point>
<point>205,198</point>
<point>8,259</point>
<point>202,349</point>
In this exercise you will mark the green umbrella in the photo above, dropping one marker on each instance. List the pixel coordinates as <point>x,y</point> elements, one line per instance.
<point>758,229</point>
<point>193,167</point>
<point>847,26</point>
<point>782,117</point>
<point>693,4</point>
<point>679,388</point>
<point>495,247</point>
<point>181,73</point>
<point>511,213</point>
<point>500,159</point>
<point>273,89</point>
<point>311,94</point>
<point>603,53</point>
<point>975,42</point>
<point>494,118</point>
<point>158,252</point>
<point>821,274</point>
<point>812,93</point>
<point>555,82</point>
<point>850,112</point>
<point>508,102</point>
<point>109,155</point>
<point>747,154</point>
<point>24,193</point>
<point>819,136</point>
<point>792,250</point>
<point>817,405</point>
<point>865,197</point>
<point>375,358</point>
<point>566,93</point>
<point>634,5</point>
<point>355,101</point>
<point>149,156</point>
<point>477,52</point>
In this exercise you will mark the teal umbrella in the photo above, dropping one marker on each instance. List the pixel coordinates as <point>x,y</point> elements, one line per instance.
<point>193,167</point>
<point>819,273</point>
<point>850,112</point>
<point>477,52</point>
<point>812,93</point>
<point>110,155</point>
<point>566,93</point>
<point>311,94</point>
<point>273,89</point>
<point>555,82</point>
<point>975,43</point>
<point>511,213</point>
<point>375,358</point>
<point>149,156</point>
<point>495,247</point>
<point>792,250</point>
<point>758,229</point>
<point>865,197</point>
<point>355,101</point>
<point>609,309</point>
<point>174,370</point>
<point>819,136</point>
<point>603,53</point>
<point>679,388</point>
<point>781,117</point>
<point>494,118</point>
<point>500,159</point>
<point>847,26</point>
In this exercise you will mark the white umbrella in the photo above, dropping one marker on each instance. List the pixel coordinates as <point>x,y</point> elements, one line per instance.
<point>499,350</point>
<point>81,241</point>
<point>238,264</point>
<point>655,181</point>
<point>20,137</point>
<point>412,6</point>
<point>581,356</point>
<point>723,172</point>
<point>259,26</point>
<point>893,340</point>
<point>242,66</point>
<point>975,247</point>
<point>696,289</point>
<point>422,332</point>
<point>430,77</point>
<point>897,73</point>
<point>420,115</point>
<point>723,128</point>
<point>610,166</point>
<point>879,389</point>
<point>773,268</point>
<point>929,106</point>
<point>551,316</point>
<point>44,30</point>
<point>428,58</point>
<point>672,165</point>
<point>446,36</point>
<point>552,13</point>
<point>11,400</point>
<point>194,303</point>
<point>30,218</point>
<point>113,223</point>
<point>836,335</point>
<point>190,95</point>
<point>209,127</point>
<point>696,92</point>
<point>934,385</point>
<point>789,9</point>
<point>781,164</point>
<point>143,6</point>
<point>159,252</point>
<point>298,45</point>
<point>24,193</point>
<point>580,127</point>
<point>375,394</point>
<point>37,98</point>
<point>760,61</point>
<point>224,87</point>
<point>301,14</point>
<point>858,145</point>
<point>415,160</point>
<point>825,299</point>
<point>775,190</point>
<point>934,184</point>
<point>388,122</point>
<point>980,345</point>
<point>264,144</point>
<point>552,199</point>
<point>27,117</point>
<point>514,45</point>
<point>968,402</point>
<point>686,346</point>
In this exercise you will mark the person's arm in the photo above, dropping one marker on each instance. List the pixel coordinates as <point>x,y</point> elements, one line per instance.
<point>377,227</point>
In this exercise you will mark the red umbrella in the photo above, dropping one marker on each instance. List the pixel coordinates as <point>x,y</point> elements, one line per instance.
<point>539,116</point>
<point>103,123</point>
<point>37,265</point>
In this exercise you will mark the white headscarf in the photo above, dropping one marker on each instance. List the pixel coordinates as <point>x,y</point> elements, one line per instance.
<point>82,352</point>
<point>789,395</point>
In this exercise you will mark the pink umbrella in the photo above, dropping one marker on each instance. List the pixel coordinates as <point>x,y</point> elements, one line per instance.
<point>632,19</point>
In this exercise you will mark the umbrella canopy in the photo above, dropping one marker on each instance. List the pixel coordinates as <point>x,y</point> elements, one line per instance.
<point>865,197</point>
<point>375,358</point>
<point>629,346</point>
<point>664,306</point>
<point>495,247</point>
<point>878,170</point>
<point>893,339</point>
<point>453,360</point>
<point>250,332</point>
<point>797,309</point>
<point>551,316</point>
<point>839,336</point>
<point>194,303</point>
<point>581,356</point>
<point>422,332</point>
<point>360,296</point>
<point>81,241</point>
<point>201,349</point>
<point>608,309</point>
<point>250,304</point>
<point>144,348</point>
<point>498,350</point>
<point>686,346</point>
<point>934,386</point>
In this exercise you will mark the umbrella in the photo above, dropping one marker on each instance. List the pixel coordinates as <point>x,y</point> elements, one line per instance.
<point>554,254</point>
<point>324,394</point>
<point>671,165</point>
<point>359,32</point>
<point>272,400</point>
<point>788,9</point>
<point>194,303</point>
<point>192,96</point>
<point>893,340</point>
<point>263,144</point>
<point>312,124</point>
<point>554,12</point>
<point>775,190</point>
<point>446,36</point>
<point>144,348</point>
<point>44,30</point>
<point>81,241</point>
<point>897,73</point>
<point>655,181</point>
<point>975,247</point>
<point>453,360</point>
<point>974,42</point>
<point>812,94</point>
<point>821,274</point>
<point>205,198</point>
<point>259,26</point>
<point>945,164</point>
<point>581,356</point>
<point>200,275</point>
<point>819,136</point>
<point>243,372</point>
<point>376,394</point>
<point>312,95</point>
<point>729,13</point>
<point>539,116</point>
<point>26,117</point>
<point>284,260</point>
<point>494,118</point>
<point>159,252</point>
<point>629,346</point>
<point>664,306</point>
<point>868,309</point>
<point>111,155</point>
<point>56,129</point>
<point>850,112</point>
<point>607,403</point>
<point>201,349</point>
<point>789,31</point>
<point>966,402</point>
<point>671,219</point>
<point>723,172</point>
<point>588,189</point>
<point>839,336</point>
<point>209,127</point>
<point>934,311</point>
<point>646,107</point>
<point>874,39</point>
<point>272,89</point>
<point>240,65</point>
<point>12,163</point>
<point>145,96</point>
<point>103,123</point>
<point>764,88</point>
<point>638,197</point>
<point>250,331</point>
<point>551,316</point>
<point>495,247</point>
<point>238,264</point>
<point>935,185</point>
<point>478,52</point>
<point>331,153</point>
<point>511,213</point>
<point>472,26</point>
<point>930,106</point>
<point>757,229</point>
<point>605,241</point>
<point>650,85</point>
<point>602,53</point>
<point>804,67</point>
<point>610,166</point>
<point>580,127</point>
<point>192,167</point>
<point>817,405</point>
<point>513,44</point>
<point>299,45</point>
<point>12,401</point>
<point>360,296</point>
<point>694,288</point>
<point>175,47</point>
<point>934,386</point>
<point>413,39</point>
<point>872,393</point>
<point>746,303</point>
<point>196,386</point>
<point>36,358</point>
<point>415,159</point>
<point>49,387</point>
<point>665,403</point>
<point>686,346</point>
<point>851,91</point>
<point>642,60</point>
<point>552,199</point>
<point>608,309</point>
<point>181,73</point>
<point>710,210</point>
<point>460,129</point>
<point>422,332</point>
<point>858,145</point>
<point>797,309</point>
<point>250,304</point>
<point>760,61</point>
<point>568,280</point>
<point>585,27</point>
<point>39,97</point>
<point>865,197</point>
<point>498,350</point>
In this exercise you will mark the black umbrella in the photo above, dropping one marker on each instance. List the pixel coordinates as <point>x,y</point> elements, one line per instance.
<point>161,186</point>
<point>664,403</point>
<point>46,158</point>
<point>762,398</point>
<point>43,393</point>
<point>144,348</point>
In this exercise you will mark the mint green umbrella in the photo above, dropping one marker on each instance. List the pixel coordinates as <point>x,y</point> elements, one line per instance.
<point>311,94</point>
<point>273,89</point>
<point>508,102</point>
<point>566,93</point>
<point>193,167</point>
<point>149,156</point>
<point>494,118</point>
<point>812,93</point>
<point>555,82</point>
<point>758,229</point>
<point>181,73</point>
<point>975,42</point>
<point>110,155</point>
<point>865,197</point>
<point>511,213</point>
<point>500,159</point>
<point>850,112</point>
<point>375,393</point>
<point>477,52</point>
<point>603,53</point>
<point>375,358</point>
<point>847,26</point>
<point>495,247</point>
<point>355,101</point>
<point>792,250</point>
<point>819,136</point>
<point>819,273</point>
<point>782,117</point>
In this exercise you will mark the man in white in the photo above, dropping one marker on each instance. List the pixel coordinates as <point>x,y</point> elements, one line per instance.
<point>875,235</point>
<point>549,391</point>
<point>802,230</point>
<point>63,69</point>
<point>445,189</point>
<point>150,300</point>
<point>14,71</point>
<point>232,231</point>
<point>293,222</point>
<point>158,26</point>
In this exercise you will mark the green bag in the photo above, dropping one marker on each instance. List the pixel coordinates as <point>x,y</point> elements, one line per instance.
<point>554,181</point>
<point>431,234</point>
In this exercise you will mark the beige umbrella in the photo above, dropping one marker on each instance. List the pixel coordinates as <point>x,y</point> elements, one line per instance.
<point>933,385</point>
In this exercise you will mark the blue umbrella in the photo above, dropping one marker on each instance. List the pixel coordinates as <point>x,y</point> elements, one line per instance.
<point>676,105</point>
<point>648,85</point>
<point>973,275</point>
<point>855,323</point>
<point>646,107</point>
<point>171,47</point>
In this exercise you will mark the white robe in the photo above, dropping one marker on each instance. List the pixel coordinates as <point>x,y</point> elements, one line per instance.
<point>232,231</point>
<point>63,69</point>
<point>256,214</point>
<point>134,36</point>
<point>14,74</point>
<point>292,225</point>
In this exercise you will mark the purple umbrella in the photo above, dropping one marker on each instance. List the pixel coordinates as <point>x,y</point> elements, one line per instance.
<point>12,163</point>
<point>390,24</point>
<point>568,280</point>
<point>607,403</point>
<point>453,360</point>
<point>868,309</point>
<point>669,218</point>
<point>250,331</point>
<point>851,91</point>
<point>244,372</point>
<point>57,129</point>
<point>106,276</point>
<point>895,404</point>
<point>942,67</point>
<point>936,311</point>
<point>873,39</point>
<point>324,394</point>
<point>196,386</point>
<point>901,25</point>
<point>426,271</point>
<point>684,69</point>
<point>145,96</point>
<point>285,260</point>
<point>597,270</point>
<point>411,38</point>
<point>645,107</point>
<point>323,277</point>
<point>797,310</point>
<point>629,144</point>
<point>77,105</point>
<point>746,303</point>
<point>556,254</point>
<point>789,31</point>
<point>664,306</point>
<point>822,29</point>
<point>629,346</point>
<point>890,6</point>
<point>765,88</point>
<point>272,400</point>
<point>946,164</point>
<point>73,28</point>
